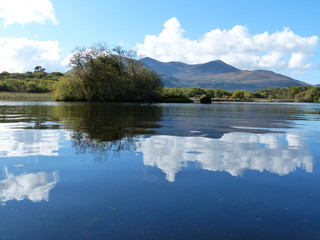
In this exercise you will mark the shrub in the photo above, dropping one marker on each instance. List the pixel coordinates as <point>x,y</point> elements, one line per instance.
<point>15,85</point>
<point>69,88</point>
<point>238,95</point>
<point>205,99</point>
<point>310,95</point>
<point>194,92</point>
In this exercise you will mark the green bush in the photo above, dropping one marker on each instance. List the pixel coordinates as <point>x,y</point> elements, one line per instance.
<point>15,85</point>
<point>238,95</point>
<point>310,95</point>
<point>220,93</point>
<point>210,92</point>
<point>69,88</point>
<point>194,92</point>
<point>172,92</point>
<point>3,87</point>
<point>205,99</point>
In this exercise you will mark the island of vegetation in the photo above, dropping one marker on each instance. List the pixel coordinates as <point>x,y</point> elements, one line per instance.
<point>117,75</point>
<point>100,74</point>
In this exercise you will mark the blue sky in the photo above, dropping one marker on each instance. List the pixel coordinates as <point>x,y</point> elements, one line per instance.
<point>281,36</point>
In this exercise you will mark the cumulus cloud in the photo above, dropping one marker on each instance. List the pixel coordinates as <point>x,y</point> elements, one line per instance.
<point>26,11</point>
<point>237,46</point>
<point>21,54</point>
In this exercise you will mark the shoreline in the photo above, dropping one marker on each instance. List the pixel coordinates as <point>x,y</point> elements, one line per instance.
<point>22,96</point>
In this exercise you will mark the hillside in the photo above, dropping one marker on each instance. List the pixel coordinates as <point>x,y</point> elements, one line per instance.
<point>217,74</point>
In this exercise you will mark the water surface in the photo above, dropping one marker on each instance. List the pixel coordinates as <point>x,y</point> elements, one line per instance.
<point>170,171</point>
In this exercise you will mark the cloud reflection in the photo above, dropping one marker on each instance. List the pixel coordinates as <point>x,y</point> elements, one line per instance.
<point>32,186</point>
<point>21,143</point>
<point>234,152</point>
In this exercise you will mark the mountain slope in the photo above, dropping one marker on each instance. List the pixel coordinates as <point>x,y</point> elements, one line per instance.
<point>214,67</point>
<point>217,74</point>
<point>168,68</point>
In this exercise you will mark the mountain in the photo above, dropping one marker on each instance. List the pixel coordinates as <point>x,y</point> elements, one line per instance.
<point>217,74</point>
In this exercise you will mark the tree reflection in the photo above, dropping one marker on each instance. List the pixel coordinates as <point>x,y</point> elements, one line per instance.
<point>100,128</point>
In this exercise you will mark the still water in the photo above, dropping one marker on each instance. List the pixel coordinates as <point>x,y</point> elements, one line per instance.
<point>172,171</point>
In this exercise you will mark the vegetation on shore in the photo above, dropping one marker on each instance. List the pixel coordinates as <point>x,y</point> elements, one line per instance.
<point>101,74</point>
<point>32,82</point>
<point>70,86</point>
<point>293,93</point>
<point>117,75</point>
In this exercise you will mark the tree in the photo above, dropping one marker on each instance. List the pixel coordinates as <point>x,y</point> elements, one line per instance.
<point>68,89</point>
<point>114,75</point>
<point>310,95</point>
<point>39,69</point>
<point>219,93</point>
<point>195,92</point>
<point>238,95</point>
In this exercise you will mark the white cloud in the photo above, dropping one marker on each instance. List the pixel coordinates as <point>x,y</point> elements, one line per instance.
<point>237,46</point>
<point>26,11</point>
<point>21,54</point>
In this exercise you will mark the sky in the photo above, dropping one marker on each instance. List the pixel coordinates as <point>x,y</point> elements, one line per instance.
<point>281,36</point>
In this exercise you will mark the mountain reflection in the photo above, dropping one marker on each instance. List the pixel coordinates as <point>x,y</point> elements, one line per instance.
<point>32,186</point>
<point>234,152</point>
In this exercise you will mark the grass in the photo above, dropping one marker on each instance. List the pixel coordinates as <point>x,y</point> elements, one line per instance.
<point>21,96</point>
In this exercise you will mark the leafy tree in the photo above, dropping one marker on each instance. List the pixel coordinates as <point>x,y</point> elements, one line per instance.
<point>205,99</point>
<point>3,87</point>
<point>173,92</point>
<point>210,92</point>
<point>114,75</point>
<point>239,95</point>
<point>15,85</point>
<point>310,95</point>
<point>39,69</point>
<point>220,93</point>
<point>195,92</point>
<point>69,88</point>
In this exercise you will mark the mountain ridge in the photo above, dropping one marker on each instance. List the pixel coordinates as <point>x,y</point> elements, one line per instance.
<point>217,74</point>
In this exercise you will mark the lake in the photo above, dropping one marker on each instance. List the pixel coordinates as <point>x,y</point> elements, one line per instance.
<point>167,171</point>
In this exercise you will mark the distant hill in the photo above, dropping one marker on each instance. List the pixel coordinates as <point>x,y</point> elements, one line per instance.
<point>217,74</point>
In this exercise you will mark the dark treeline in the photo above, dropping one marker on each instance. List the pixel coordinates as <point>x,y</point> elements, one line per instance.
<point>34,82</point>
